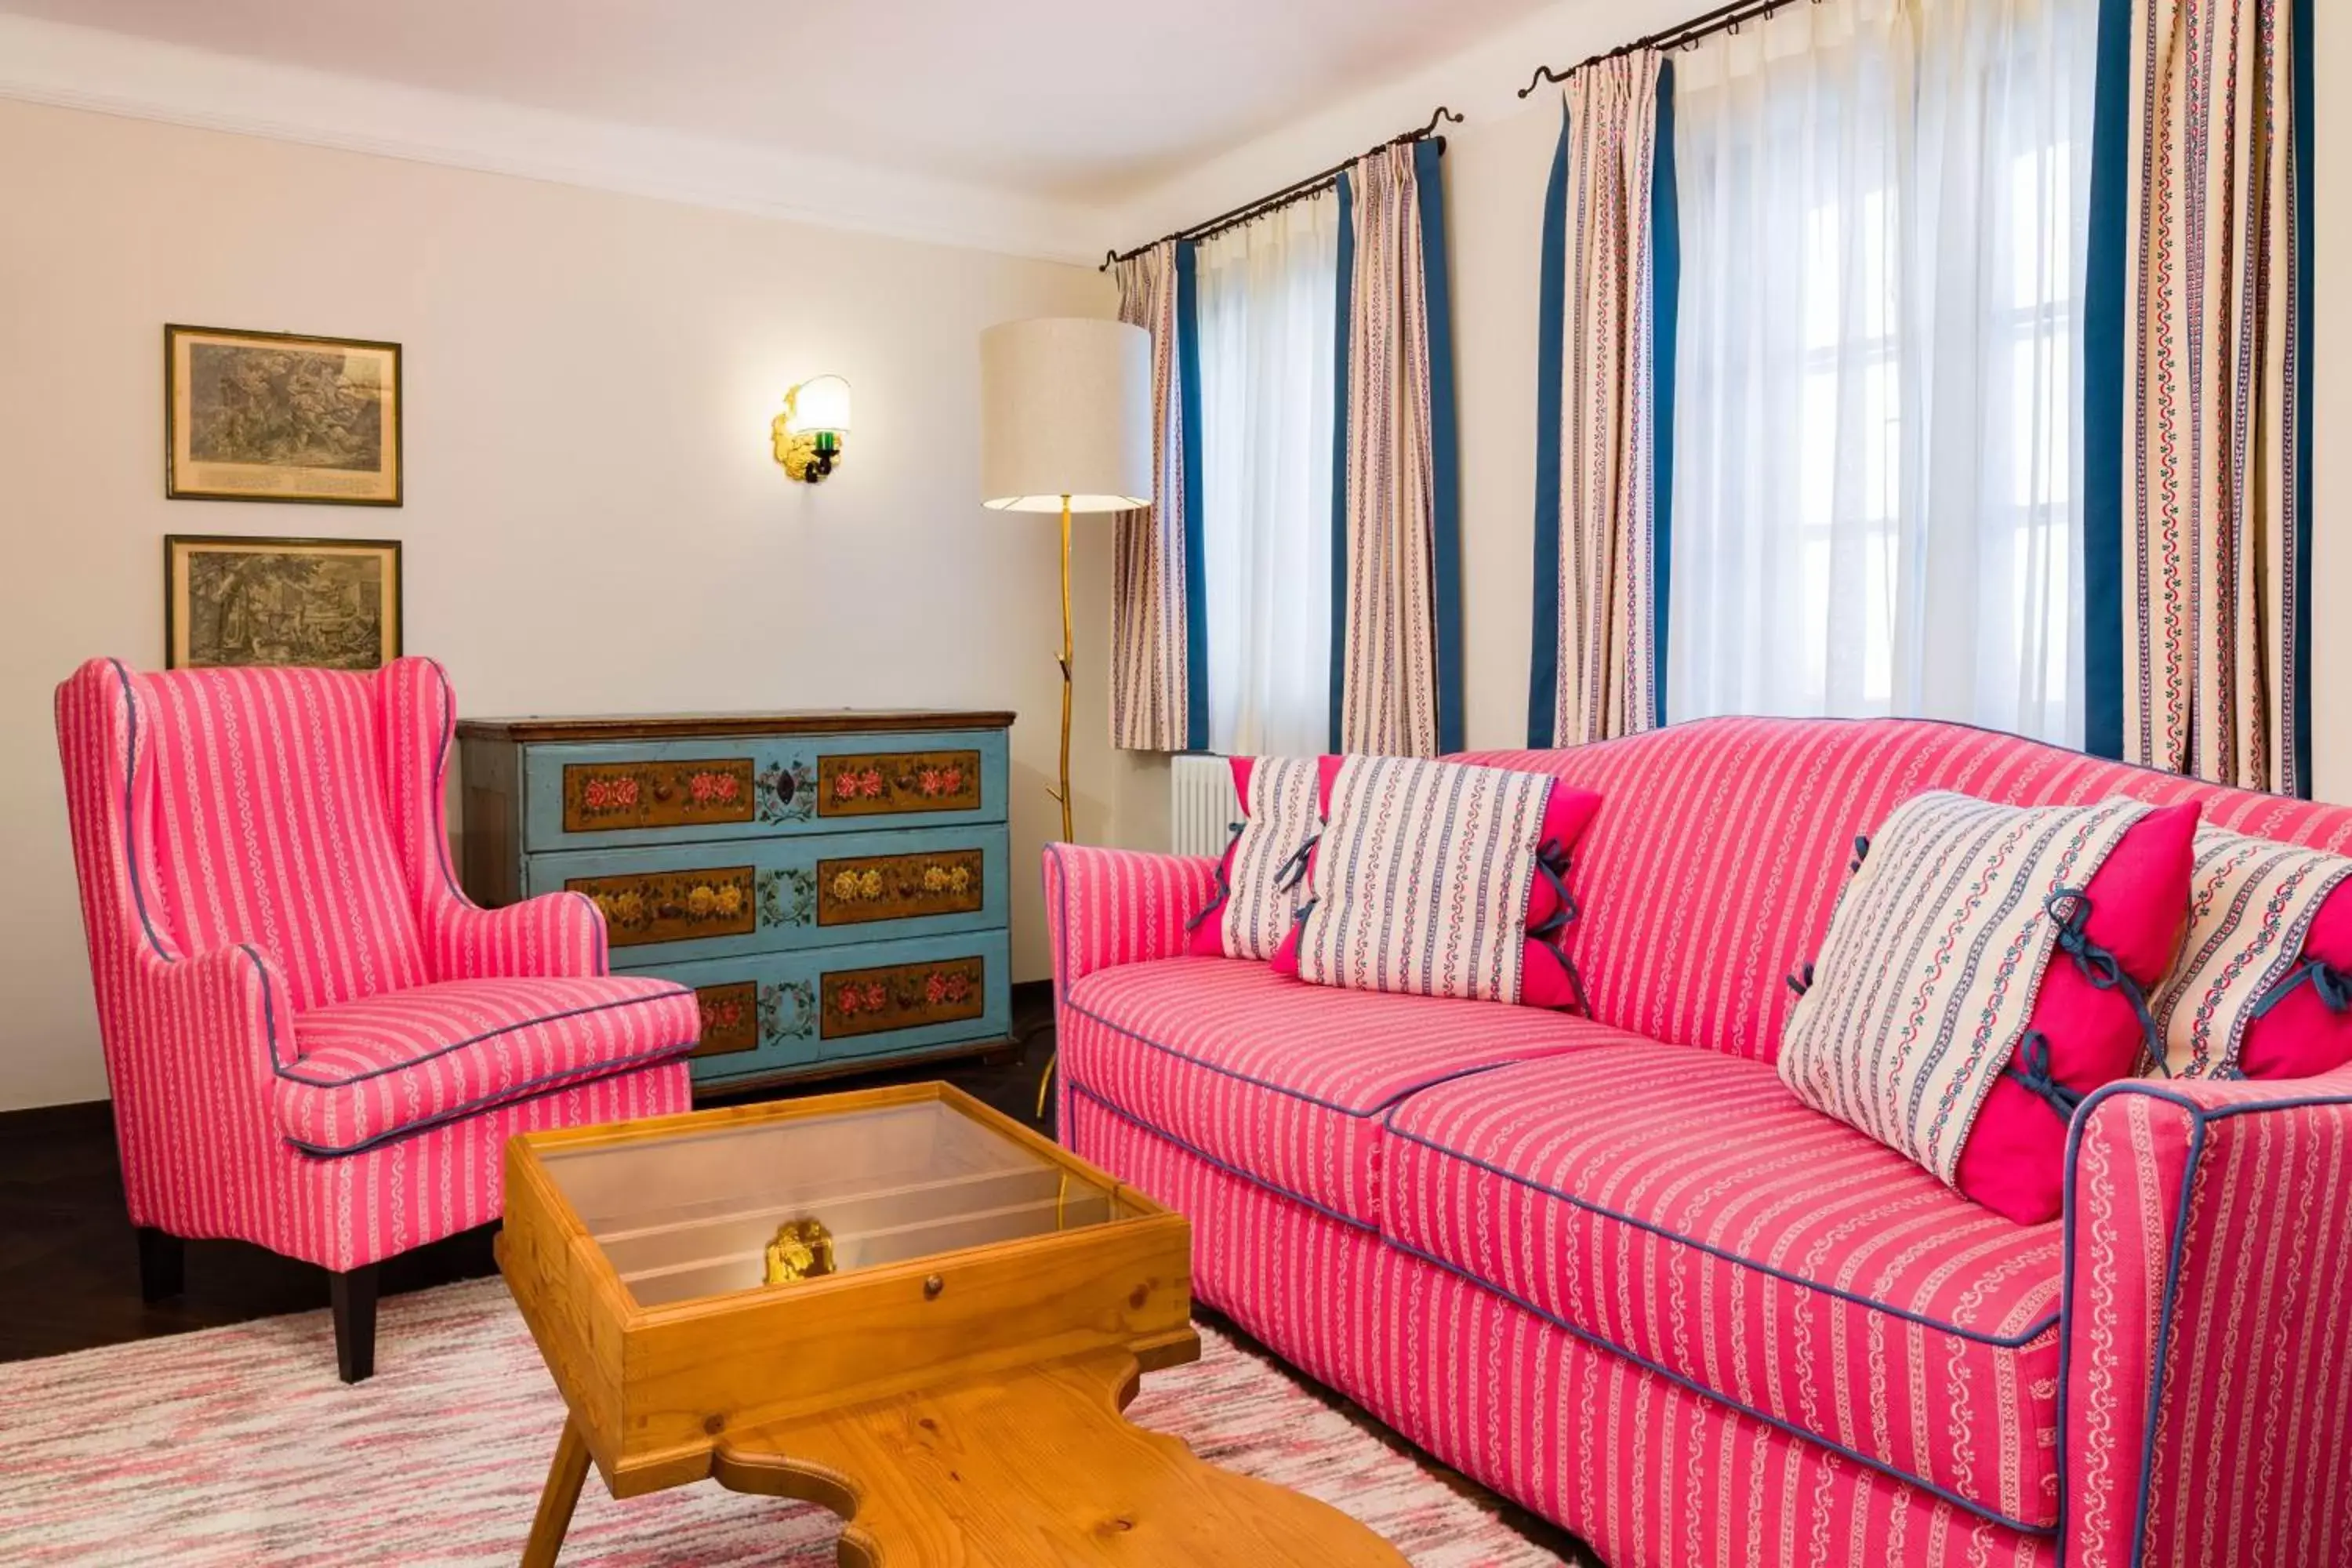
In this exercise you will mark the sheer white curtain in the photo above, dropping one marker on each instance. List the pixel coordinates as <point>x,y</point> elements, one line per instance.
<point>1884,212</point>
<point>1268,318</point>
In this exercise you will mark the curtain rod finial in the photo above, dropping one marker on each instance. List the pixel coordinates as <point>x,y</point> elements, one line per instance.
<point>1543,74</point>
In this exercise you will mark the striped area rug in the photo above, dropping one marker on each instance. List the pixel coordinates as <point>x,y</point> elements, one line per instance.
<point>237,1447</point>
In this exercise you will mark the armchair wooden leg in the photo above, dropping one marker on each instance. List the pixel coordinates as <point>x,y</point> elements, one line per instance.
<point>353,1294</point>
<point>163,1264</point>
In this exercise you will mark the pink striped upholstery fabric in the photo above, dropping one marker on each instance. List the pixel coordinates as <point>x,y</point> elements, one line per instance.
<point>1709,871</point>
<point>2203,1374</point>
<point>306,895</point>
<point>2210,1299</point>
<point>1652,1474</point>
<point>1285,1082</point>
<point>270,828</point>
<point>1303,1282</point>
<point>371,1069</point>
<point>1682,1207</point>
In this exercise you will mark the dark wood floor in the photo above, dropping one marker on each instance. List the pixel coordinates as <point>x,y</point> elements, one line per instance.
<point>69,1266</point>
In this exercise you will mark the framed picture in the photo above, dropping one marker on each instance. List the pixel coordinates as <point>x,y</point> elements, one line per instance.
<point>269,416</point>
<point>331,603</point>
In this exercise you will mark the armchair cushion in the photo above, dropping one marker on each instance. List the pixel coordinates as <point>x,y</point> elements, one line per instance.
<point>359,1073</point>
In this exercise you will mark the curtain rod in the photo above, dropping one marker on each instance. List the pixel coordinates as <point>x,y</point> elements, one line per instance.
<point>1289,193</point>
<point>1685,36</point>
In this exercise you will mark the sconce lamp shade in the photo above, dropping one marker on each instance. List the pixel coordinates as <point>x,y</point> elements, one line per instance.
<point>821,403</point>
<point>1066,410</point>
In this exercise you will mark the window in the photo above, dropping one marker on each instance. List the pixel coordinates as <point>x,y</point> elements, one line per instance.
<point>1884,221</point>
<point>1267,325</point>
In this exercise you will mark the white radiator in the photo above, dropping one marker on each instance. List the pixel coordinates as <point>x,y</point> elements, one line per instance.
<point>1202,805</point>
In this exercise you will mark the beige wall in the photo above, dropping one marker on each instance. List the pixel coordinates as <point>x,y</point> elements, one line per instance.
<point>1496,164</point>
<point>593,521</point>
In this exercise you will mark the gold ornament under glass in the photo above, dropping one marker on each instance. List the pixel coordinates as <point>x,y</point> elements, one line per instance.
<point>803,1249</point>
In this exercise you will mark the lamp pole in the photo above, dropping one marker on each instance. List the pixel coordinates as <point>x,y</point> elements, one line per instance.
<point>1063,793</point>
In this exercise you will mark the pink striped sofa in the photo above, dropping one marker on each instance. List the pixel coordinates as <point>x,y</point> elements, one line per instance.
<point>1613,1270</point>
<point>315,1042</point>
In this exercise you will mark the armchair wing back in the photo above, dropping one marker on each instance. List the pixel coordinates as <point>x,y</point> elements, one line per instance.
<point>267,807</point>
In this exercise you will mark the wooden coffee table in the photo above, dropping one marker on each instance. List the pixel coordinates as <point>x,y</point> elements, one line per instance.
<point>953,1390</point>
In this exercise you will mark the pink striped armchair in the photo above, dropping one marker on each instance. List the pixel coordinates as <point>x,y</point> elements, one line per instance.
<point>314,1040</point>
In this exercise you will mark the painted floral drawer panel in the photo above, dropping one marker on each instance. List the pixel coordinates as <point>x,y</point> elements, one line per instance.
<point>689,901</point>
<point>642,907</point>
<point>776,1015</point>
<point>581,796</point>
<point>612,797</point>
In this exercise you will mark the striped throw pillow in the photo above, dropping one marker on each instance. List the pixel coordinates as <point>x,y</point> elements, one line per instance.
<point>1425,878</point>
<point>1262,881</point>
<point>2266,921</point>
<point>1936,956</point>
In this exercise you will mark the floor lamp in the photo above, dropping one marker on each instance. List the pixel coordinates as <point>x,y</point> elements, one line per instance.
<point>1065,427</point>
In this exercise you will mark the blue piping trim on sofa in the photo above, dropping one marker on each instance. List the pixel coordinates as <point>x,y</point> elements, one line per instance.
<point>1678,1380</point>
<point>2201,1117</point>
<point>1107,1109</point>
<point>2041,1326</point>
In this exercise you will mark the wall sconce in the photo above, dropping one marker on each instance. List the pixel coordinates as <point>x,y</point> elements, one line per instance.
<point>809,431</point>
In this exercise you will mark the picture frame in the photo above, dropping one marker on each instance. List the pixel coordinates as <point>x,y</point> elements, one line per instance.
<point>240,601</point>
<point>279,416</point>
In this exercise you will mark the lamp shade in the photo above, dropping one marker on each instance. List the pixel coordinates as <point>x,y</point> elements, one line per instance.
<point>1066,410</point>
<point>822,404</point>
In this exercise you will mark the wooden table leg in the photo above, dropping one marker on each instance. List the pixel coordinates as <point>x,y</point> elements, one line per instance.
<point>564,1478</point>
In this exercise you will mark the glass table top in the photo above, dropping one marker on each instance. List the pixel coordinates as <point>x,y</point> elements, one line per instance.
<point>700,1214</point>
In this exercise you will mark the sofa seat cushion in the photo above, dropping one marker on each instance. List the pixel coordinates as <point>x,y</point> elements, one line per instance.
<point>1683,1208</point>
<point>361,1072</point>
<point>1282,1082</point>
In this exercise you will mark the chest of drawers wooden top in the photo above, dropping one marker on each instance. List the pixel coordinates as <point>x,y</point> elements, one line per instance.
<point>832,884</point>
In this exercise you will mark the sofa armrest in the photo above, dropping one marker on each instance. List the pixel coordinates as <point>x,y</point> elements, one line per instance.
<point>1109,906</point>
<point>556,936</point>
<point>2207,1371</point>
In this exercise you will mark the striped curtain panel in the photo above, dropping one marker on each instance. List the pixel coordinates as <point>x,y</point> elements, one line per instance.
<point>2214,366</point>
<point>1159,692</point>
<point>1396,562</point>
<point>1603,416</point>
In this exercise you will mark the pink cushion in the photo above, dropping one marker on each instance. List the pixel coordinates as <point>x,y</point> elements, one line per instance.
<point>1680,1206</point>
<point>2308,1029</point>
<point>358,1073</point>
<point>1283,1082</point>
<point>1546,978</point>
<point>2014,1161</point>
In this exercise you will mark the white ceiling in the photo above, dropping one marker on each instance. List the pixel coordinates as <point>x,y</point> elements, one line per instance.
<point>1077,100</point>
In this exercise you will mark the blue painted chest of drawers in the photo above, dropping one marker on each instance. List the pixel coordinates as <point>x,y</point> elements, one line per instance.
<point>831,884</point>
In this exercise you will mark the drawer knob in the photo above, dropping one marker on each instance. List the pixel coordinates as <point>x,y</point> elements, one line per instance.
<point>932,1287</point>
